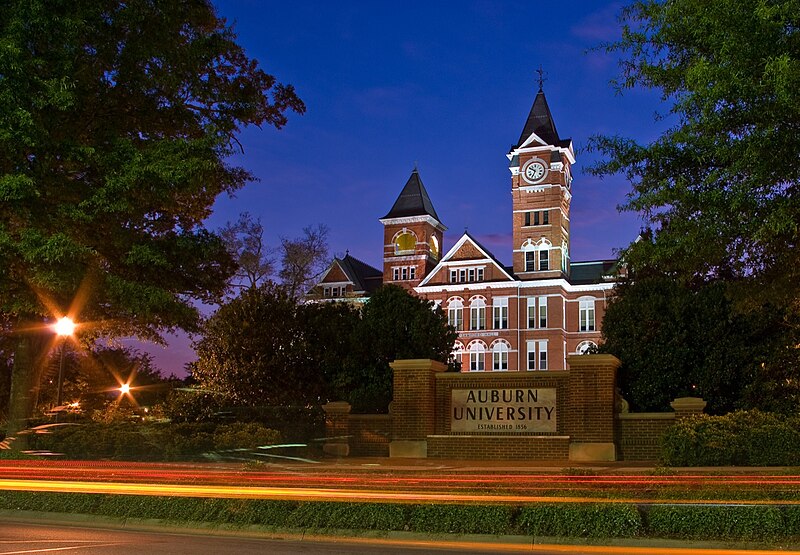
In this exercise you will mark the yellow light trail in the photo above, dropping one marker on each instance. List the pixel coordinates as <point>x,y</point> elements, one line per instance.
<point>325,494</point>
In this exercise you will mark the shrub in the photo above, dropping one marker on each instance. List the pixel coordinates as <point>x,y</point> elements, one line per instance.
<point>703,522</point>
<point>153,442</point>
<point>458,519</point>
<point>592,521</point>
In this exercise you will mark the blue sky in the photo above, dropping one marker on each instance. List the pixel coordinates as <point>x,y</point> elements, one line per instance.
<point>443,85</point>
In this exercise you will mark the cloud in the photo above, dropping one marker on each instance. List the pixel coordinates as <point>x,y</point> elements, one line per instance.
<point>599,26</point>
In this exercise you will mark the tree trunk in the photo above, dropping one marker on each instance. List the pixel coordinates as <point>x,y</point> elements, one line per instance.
<point>28,356</point>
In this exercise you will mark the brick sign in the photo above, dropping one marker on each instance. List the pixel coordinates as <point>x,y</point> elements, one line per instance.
<point>503,410</point>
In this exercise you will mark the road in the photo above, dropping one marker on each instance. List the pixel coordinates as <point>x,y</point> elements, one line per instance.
<point>17,538</point>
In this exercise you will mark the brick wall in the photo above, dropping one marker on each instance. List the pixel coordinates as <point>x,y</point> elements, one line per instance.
<point>639,435</point>
<point>413,402</point>
<point>370,435</point>
<point>542,448</point>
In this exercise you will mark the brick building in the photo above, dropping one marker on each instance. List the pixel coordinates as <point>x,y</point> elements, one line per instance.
<point>528,316</point>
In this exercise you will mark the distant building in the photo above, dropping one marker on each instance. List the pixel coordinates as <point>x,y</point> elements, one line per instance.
<point>527,316</point>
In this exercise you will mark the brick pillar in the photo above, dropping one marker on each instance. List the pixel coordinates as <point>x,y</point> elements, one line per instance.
<point>337,428</point>
<point>687,406</point>
<point>413,410</point>
<point>590,410</point>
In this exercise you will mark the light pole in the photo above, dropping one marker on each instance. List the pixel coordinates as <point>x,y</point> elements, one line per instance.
<point>64,328</point>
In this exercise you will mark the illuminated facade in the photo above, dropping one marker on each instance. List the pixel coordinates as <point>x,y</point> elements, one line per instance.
<point>525,317</point>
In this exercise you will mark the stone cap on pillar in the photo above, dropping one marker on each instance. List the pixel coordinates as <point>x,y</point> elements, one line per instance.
<point>337,407</point>
<point>416,363</point>
<point>688,404</point>
<point>583,361</point>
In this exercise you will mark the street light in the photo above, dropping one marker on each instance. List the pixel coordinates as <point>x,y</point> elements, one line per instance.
<point>64,328</point>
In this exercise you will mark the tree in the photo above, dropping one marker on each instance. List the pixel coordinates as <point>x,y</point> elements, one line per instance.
<point>720,188</point>
<point>244,240</point>
<point>252,351</point>
<point>263,349</point>
<point>674,341</point>
<point>116,121</point>
<point>304,259</point>
<point>394,325</point>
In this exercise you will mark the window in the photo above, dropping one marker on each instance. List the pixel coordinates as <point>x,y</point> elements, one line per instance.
<point>527,218</point>
<point>453,276</point>
<point>542,312</point>
<point>530,261</point>
<point>531,355</point>
<point>477,314</point>
<point>455,314</point>
<point>465,275</point>
<point>537,355</point>
<point>542,355</point>
<point>500,313</point>
<point>531,312</point>
<point>586,309</point>
<point>537,217</point>
<point>584,346</point>
<point>477,352</point>
<point>404,273</point>
<point>405,243</point>
<point>462,276</point>
<point>480,274</point>
<point>544,260</point>
<point>457,354</point>
<point>500,356</point>
<point>545,217</point>
<point>471,274</point>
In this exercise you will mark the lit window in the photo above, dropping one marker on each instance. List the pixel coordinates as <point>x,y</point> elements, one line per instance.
<point>405,243</point>
<point>586,315</point>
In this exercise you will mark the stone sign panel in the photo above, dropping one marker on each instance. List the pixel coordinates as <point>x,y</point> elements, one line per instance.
<point>529,410</point>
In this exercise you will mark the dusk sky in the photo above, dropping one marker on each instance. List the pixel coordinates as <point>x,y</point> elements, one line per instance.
<point>445,86</point>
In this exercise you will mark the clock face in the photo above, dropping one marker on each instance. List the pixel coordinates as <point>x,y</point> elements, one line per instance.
<point>534,172</point>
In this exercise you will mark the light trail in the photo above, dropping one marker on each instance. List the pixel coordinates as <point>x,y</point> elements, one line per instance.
<point>348,495</point>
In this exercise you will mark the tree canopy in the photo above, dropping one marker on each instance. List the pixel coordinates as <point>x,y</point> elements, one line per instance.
<point>675,341</point>
<point>720,187</point>
<point>116,121</point>
<point>263,349</point>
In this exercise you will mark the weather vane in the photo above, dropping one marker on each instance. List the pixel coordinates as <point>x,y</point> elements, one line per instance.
<point>542,77</point>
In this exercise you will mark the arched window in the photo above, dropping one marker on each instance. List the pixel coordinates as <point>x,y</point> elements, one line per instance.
<point>586,314</point>
<point>405,242</point>
<point>537,255</point>
<point>477,313</point>
<point>434,246</point>
<point>455,313</point>
<point>477,356</point>
<point>500,349</point>
<point>457,353</point>
<point>584,346</point>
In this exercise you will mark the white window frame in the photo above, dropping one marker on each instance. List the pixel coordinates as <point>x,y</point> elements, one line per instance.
<point>500,313</point>
<point>455,314</point>
<point>500,352</point>
<point>586,315</point>
<point>477,314</point>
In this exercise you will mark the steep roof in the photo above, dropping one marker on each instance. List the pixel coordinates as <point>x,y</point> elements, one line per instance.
<point>540,121</point>
<point>364,277</point>
<point>413,200</point>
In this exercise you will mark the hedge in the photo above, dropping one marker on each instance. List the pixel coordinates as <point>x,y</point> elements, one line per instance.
<point>741,438</point>
<point>597,520</point>
<point>153,442</point>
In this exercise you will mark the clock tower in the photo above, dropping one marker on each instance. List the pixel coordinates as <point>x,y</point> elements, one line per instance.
<point>541,179</point>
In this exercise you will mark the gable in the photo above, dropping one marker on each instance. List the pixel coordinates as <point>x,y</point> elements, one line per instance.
<point>471,262</point>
